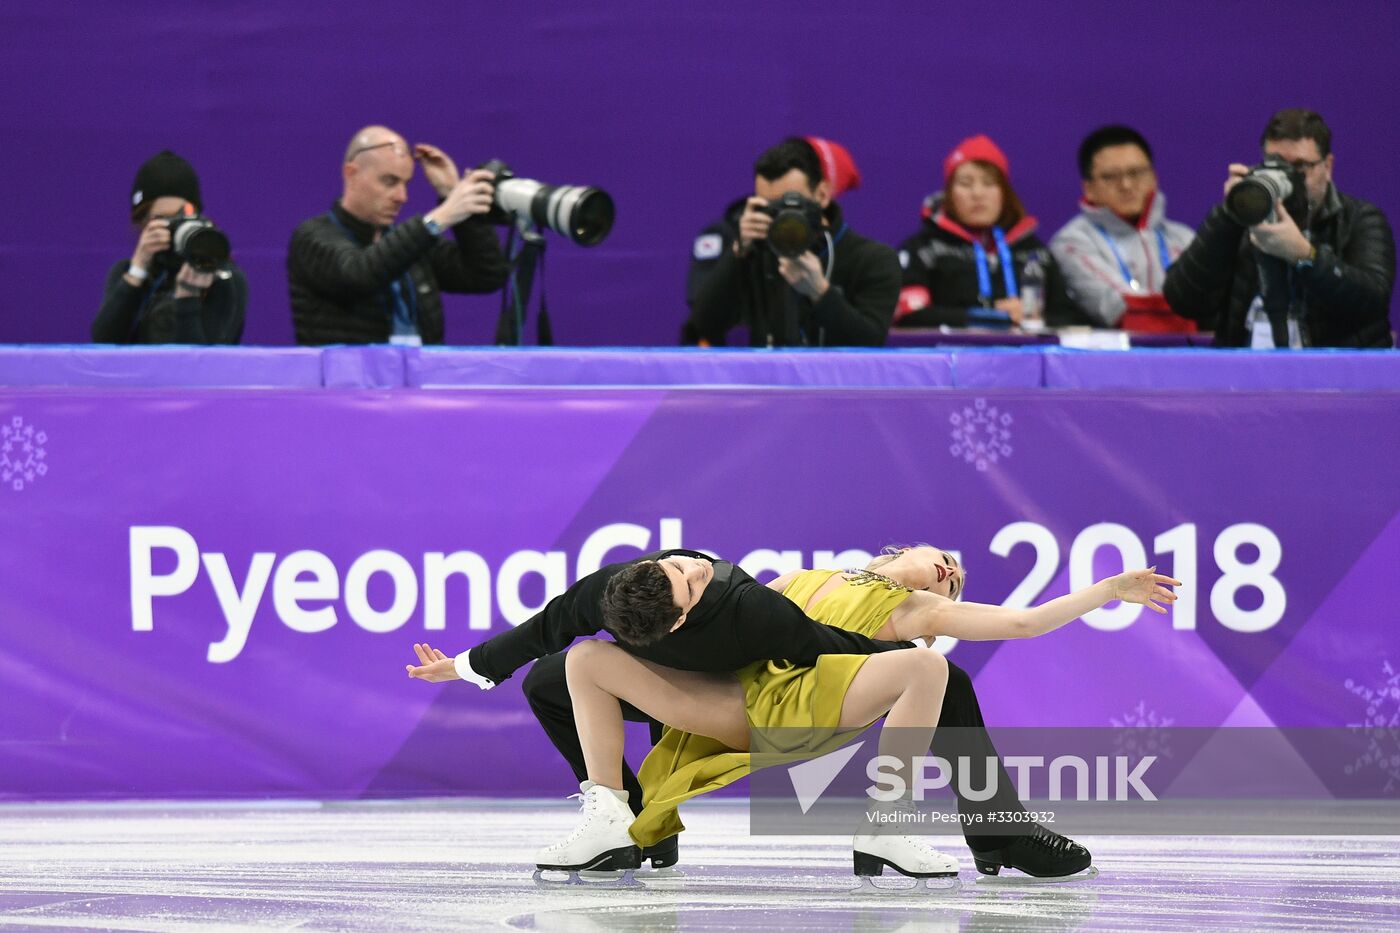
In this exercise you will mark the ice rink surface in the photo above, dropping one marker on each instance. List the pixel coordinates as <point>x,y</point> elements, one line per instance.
<point>465,864</point>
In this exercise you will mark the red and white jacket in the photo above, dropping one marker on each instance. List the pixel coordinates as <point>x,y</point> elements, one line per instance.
<point>1093,274</point>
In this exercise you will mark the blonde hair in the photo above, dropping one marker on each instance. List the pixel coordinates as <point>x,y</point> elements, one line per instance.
<point>890,552</point>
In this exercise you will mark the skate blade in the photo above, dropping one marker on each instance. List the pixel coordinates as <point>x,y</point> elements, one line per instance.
<point>1021,880</point>
<point>549,878</point>
<point>921,887</point>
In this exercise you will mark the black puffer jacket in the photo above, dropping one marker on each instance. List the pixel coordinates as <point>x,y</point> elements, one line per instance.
<point>341,286</point>
<point>1342,300</point>
<point>940,275</point>
<point>724,291</point>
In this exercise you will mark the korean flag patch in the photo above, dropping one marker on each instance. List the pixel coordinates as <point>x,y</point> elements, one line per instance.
<point>708,246</point>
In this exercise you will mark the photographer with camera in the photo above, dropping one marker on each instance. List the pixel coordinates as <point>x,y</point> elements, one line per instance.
<point>179,285</point>
<point>1287,260</point>
<point>785,264</point>
<point>357,277</point>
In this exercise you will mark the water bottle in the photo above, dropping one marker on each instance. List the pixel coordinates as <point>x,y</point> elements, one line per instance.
<point>1033,294</point>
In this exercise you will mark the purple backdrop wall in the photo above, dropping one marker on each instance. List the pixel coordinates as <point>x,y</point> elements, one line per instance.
<point>666,106</point>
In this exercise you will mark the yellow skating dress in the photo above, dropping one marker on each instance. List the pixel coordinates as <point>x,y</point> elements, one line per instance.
<point>802,703</point>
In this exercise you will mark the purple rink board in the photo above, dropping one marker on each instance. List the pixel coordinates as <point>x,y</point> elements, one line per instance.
<point>386,367</point>
<point>212,593</point>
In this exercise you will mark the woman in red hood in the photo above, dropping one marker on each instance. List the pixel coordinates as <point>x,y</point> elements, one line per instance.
<point>968,265</point>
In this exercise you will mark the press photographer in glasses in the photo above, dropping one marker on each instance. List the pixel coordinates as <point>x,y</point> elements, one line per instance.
<point>1287,260</point>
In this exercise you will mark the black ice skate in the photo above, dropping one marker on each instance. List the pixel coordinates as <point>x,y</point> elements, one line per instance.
<point>1044,855</point>
<point>599,844</point>
<point>663,856</point>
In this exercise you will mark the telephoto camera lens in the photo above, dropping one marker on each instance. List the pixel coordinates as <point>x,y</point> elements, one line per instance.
<point>198,242</point>
<point>1251,201</point>
<point>795,223</point>
<point>789,234</point>
<point>582,213</point>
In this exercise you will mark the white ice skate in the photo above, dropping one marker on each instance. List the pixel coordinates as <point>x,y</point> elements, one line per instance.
<point>598,844</point>
<point>908,855</point>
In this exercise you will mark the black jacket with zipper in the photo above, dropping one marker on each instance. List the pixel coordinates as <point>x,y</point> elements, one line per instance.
<point>151,314</point>
<point>940,275</point>
<point>1341,300</point>
<point>340,277</point>
<point>725,291</point>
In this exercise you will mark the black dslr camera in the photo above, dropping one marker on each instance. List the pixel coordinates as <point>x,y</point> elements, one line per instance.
<point>1251,201</point>
<point>797,224</point>
<point>195,240</point>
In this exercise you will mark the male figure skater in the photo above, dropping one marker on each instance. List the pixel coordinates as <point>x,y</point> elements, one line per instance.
<point>733,622</point>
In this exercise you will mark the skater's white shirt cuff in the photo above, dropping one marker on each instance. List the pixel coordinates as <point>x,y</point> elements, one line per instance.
<point>464,671</point>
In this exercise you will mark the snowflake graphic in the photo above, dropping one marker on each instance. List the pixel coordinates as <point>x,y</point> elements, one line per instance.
<point>1142,732</point>
<point>981,434</point>
<point>22,454</point>
<point>1381,727</point>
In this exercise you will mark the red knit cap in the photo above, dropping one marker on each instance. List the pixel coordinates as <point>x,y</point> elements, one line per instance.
<point>975,149</point>
<point>838,167</point>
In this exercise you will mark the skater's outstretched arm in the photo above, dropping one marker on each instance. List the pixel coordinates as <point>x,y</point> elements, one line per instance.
<point>572,615</point>
<point>928,615</point>
<point>564,619</point>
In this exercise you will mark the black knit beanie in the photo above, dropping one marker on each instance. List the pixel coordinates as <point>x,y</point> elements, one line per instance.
<point>164,174</point>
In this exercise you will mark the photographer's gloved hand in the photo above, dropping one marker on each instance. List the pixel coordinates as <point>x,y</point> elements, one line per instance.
<point>1282,238</point>
<point>805,275</point>
<point>192,284</point>
<point>753,226</point>
<point>154,238</point>
<point>438,168</point>
<point>470,197</point>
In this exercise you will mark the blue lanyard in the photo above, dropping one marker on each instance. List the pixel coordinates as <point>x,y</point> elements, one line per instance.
<point>835,238</point>
<point>1123,264</point>
<point>984,274</point>
<point>403,297</point>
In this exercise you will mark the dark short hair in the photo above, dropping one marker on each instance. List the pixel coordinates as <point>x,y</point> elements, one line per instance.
<point>638,604</point>
<point>792,153</point>
<point>1102,138</point>
<point>1297,123</point>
